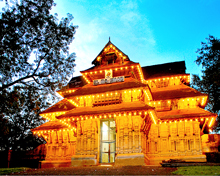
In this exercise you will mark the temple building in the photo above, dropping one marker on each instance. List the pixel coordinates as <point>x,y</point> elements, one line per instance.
<point>120,113</point>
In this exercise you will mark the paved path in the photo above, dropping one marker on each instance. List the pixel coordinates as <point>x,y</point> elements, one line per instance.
<point>102,170</point>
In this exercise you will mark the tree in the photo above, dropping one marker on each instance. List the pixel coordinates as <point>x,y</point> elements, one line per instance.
<point>21,109</point>
<point>35,62</point>
<point>209,83</point>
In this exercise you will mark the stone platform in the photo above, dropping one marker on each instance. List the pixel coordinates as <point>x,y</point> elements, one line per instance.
<point>55,163</point>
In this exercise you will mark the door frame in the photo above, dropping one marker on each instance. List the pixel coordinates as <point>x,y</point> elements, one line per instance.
<point>107,141</point>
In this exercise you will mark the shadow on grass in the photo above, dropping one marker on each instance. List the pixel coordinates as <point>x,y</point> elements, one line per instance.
<point>197,170</point>
<point>5,171</point>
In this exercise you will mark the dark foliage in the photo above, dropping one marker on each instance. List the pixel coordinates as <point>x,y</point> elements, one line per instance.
<point>35,62</point>
<point>209,83</point>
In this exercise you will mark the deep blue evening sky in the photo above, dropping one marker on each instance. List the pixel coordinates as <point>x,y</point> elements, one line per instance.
<point>148,31</point>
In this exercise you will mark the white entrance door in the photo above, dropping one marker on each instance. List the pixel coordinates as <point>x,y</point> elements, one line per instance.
<point>108,136</point>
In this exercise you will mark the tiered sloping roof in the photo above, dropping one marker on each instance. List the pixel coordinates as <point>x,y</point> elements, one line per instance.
<point>97,68</point>
<point>125,106</point>
<point>175,92</point>
<point>129,83</point>
<point>184,113</point>
<point>62,105</point>
<point>77,82</point>
<point>167,69</point>
<point>78,87</point>
<point>52,125</point>
<point>108,44</point>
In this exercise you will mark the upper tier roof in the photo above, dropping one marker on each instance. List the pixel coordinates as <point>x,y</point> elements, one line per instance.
<point>175,92</point>
<point>110,66</point>
<point>77,82</point>
<point>166,69</point>
<point>92,89</point>
<point>102,51</point>
<point>149,72</point>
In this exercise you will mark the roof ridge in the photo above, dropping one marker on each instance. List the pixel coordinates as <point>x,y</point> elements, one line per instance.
<point>109,43</point>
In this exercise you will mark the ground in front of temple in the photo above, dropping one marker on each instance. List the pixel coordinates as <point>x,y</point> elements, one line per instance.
<point>102,170</point>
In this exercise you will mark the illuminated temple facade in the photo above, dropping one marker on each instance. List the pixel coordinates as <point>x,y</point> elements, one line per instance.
<point>120,113</point>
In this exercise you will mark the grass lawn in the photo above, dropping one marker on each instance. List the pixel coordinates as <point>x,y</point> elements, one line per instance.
<point>138,170</point>
<point>198,170</point>
<point>5,171</point>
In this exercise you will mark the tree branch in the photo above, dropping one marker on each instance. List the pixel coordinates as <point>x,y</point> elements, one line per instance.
<point>29,76</point>
<point>37,81</point>
<point>4,86</point>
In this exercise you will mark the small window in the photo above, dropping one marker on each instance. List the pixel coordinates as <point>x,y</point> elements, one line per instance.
<point>189,145</point>
<point>110,58</point>
<point>162,83</point>
<point>174,145</point>
<point>148,147</point>
<point>107,100</point>
<point>155,146</point>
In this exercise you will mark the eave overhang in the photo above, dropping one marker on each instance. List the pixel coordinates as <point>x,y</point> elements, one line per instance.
<point>185,113</point>
<point>52,125</point>
<point>119,108</point>
<point>89,89</point>
<point>175,92</point>
<point>61,106</point>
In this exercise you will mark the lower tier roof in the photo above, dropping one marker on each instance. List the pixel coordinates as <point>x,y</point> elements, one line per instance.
<point>61,106</point>
<point>184,113</point>
<point>52,125</point>
<point>165,115</point>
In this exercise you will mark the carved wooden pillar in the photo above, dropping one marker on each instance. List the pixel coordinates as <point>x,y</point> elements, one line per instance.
<point>79,139</point>
<point>117,135</point>
<point>125,135</point>
<point>143,141</point>
<point>130,135</point>
<point>60,139</point>
<point>96,142</point>
<point>93,138</point>
<point>121,136</point>
<point>84,149</point>
<point>139,134</point>
<point>88,138</point>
